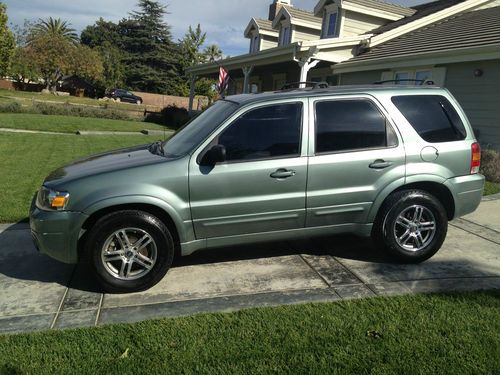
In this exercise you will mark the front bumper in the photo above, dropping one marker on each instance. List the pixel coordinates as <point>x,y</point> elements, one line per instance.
<point>56,233</point>
<point>467,192</point>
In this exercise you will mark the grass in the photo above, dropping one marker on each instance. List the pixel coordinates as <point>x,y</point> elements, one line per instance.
<point>424,334</point>
<point>26,159</point>
<point>491,188</point>
<point>70,124</point>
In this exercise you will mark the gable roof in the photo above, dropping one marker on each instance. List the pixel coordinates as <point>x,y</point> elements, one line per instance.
<point>474,29</point>
<point>264,27</point>
<point>386,7</point>
<point>298,16</point>
<point>419,11</point>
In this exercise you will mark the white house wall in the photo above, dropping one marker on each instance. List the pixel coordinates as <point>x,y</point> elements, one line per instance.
<point>268,42</point>
<point>302,34</point>
<point>359,24</point>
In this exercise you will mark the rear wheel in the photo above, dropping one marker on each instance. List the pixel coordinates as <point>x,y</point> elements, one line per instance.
<point>130,251</point>
<point>411,225</point>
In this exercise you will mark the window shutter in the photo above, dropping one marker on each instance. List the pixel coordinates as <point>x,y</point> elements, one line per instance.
<point>439,76</point>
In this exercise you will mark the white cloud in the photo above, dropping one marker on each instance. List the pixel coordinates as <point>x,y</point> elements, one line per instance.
<point>223,20</point>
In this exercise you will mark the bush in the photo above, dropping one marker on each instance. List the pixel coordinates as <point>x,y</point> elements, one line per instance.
<point>490,165</point>
<point>13,107</point>
<point>171,116</point>
<point>78,111</point>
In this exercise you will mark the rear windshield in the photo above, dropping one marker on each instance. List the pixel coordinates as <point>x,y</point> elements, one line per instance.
<point>432,116</point>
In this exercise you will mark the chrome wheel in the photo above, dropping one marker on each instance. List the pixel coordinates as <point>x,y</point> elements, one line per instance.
<point>129,254</point>
<point>415,228</point>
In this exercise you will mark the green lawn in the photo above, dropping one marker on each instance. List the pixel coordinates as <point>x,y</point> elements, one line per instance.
<point>69,124</point>
<point>491,188</point>
<point>26,159</point>
<point>422,334</point>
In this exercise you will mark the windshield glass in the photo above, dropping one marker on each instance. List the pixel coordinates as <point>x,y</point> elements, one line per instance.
<point>198,129</point>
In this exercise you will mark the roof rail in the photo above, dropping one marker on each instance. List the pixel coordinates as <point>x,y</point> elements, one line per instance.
<point>296,85</point>
<point>421,81</point>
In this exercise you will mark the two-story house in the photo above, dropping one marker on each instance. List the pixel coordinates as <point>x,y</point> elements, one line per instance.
<point>454,43</point>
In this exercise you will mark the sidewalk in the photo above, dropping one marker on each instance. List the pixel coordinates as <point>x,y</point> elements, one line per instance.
<point>39,293</point>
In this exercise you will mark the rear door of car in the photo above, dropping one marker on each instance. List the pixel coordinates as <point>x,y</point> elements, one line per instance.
<point>355,153</point>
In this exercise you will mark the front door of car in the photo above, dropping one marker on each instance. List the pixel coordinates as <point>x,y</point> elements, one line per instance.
<point>261,185</point>
<point>356,153</point>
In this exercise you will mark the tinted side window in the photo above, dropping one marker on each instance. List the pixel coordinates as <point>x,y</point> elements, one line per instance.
<point>432,116</point>
<point>263,133</point>
<point>351,125</point>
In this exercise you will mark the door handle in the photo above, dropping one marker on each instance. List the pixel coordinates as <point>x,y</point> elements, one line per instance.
<point>380,164</point>
<point>283,173</point>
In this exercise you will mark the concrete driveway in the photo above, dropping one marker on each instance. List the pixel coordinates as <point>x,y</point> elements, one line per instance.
<point>38,293</point>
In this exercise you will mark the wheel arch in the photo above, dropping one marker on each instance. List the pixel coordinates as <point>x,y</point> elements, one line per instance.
<point>434,186</point>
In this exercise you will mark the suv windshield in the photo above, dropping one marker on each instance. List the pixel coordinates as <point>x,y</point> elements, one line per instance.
<point>198,129</point>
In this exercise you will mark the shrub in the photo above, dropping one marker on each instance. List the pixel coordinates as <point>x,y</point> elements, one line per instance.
<point>12,107</point>
<point>490,165</point>
<point>78,111</point>
<point>171,116</point>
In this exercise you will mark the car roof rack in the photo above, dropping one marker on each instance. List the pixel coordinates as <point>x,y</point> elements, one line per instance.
<point>313,85</point>
<point>421,81</point>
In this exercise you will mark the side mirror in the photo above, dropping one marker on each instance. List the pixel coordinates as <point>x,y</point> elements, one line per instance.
<point>217,154</point>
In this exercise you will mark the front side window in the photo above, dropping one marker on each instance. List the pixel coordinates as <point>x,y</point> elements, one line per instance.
<point>264,133</point>
<point>432,116</point>
<point>343,125</point>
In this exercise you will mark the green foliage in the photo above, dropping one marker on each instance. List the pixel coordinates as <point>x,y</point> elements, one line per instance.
<point>114,70</point>
<point>151,58</point>
<point>490,165</point>
<point>77,111</point>
<point>213,53</point>
<point>53,27</point>
<point>190,47</point>
<point>12,107</point>
<point>24,68</point>
<point>491,188</point>
<point>7,42</point>
<point>102,33</point>
<point>171,116</point>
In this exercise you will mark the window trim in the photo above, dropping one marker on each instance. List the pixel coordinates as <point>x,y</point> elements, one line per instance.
<point>379,108</point>
<point>214,136</point>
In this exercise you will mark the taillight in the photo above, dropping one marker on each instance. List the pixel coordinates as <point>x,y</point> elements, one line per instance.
<point>476,158</point>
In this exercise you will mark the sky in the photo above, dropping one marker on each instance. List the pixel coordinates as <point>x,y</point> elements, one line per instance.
<point>224,21</point>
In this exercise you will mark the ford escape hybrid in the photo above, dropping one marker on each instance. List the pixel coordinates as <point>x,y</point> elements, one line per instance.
<point>394,163</point>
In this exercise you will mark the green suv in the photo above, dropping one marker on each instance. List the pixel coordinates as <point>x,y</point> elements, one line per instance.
<point>395,163</point>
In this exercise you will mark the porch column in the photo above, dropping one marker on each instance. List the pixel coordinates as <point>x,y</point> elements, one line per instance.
<point>192,85</point>
<point>247,70</point>
<point>305,64</point>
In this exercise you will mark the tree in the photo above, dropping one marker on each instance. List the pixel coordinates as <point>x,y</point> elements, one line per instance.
<point>53,27</point>
<point>101,33</point>
<point>24,68</point>
<point>213,53</point>
<point>151,58</point>
<point>190,46</point>
<point>86,63</point>
<point>114,70</point>
<point>7,42</point>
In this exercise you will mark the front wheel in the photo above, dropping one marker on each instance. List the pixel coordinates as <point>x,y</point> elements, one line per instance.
<point>130,251</point>
<point>411,225</point>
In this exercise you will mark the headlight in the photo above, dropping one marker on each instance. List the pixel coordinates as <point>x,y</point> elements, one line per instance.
<point>51,200</point>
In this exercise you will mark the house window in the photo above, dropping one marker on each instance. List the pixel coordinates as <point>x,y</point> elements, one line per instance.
<point>420,76</point>
<point>285,36</point>
<point>423,75</point>
<point>332,25</point>
<point>402,78</point>
<point>255,44</point>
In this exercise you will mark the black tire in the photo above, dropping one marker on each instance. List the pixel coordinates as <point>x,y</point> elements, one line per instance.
<point>161,249</point>
<point>422,243</point>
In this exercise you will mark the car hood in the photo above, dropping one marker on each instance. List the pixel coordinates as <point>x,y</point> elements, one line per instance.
<point>112,161</point>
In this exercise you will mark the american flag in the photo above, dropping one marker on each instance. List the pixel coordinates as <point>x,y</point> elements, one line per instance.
<point>223,81</point>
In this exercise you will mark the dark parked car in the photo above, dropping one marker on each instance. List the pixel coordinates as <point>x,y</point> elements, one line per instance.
<point>124,96</point>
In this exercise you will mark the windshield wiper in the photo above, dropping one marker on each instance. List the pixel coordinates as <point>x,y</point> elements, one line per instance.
<point>157,148</point>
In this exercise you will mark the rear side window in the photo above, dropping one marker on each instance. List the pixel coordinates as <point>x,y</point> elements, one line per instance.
<point>432,116</point>
<point>264,133</point>
<point>343,125</point>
